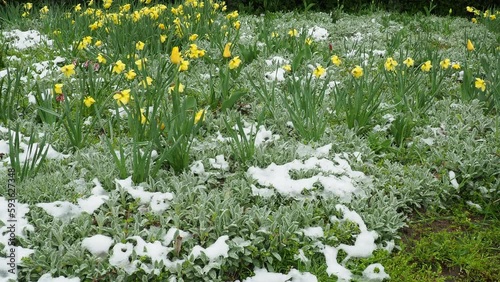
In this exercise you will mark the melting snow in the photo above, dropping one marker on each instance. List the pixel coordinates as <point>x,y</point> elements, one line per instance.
<point>277,60</point>
<point>219,163</point>
<point>98,245</point>
<point>214,251</point>
<point>47,277</point>
<point>262,275</point>
<point>278,74</point>
<point>375,272</point>
<point>158,201</point>
<point>313,232</point>
<point>25,39</point>
<point>318,33</point>
<point>453,179</point>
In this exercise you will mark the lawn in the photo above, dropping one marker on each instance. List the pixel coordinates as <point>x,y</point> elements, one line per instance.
<point>187,142</point>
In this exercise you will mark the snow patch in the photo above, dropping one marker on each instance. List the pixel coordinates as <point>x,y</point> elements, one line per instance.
<point>98,245</point>
<point>25,39</point>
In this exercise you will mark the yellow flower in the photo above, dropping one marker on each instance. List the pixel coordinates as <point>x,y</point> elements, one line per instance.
<point>227,51</point>
<point>318,71</point>
<point>193,37</point>
<point>140,62</point>
<point>473,20</point>
<point>287,68</point>
<point>480,84</point>
<point>234,63</point>
<point>237,24</point>
<point>409,62</point>
<point>98,43</point>
<point>56,32</point>
<point>139,45</point>
<point>88,101</point>
<point>25,14</point>
<point>175,56</point>
<point>336,60</point>
<point>146,82</point>
<point>469,9</point>
<point>426,66</point>
<point>118,67</point>
<point>390,64</point>
<point>28,6</point>
<point>455,65</point>
<point>68,70</point>
<point>122,97</point>
<point>101,59</point>
<point>493,17</point>
<point>172,88</point>
<point>357,72</point>
<point>125,8</point>
<point>293,33</point>
<point>58,88</point>
<point>107,4</point>
<point>232,15</point>
<point>308,41</point>
<point>274,34</point>
<point>445,64</point>
<point>44,10</point>
<point>199,115</point>
<point>184,65</point>
<point>143,117</point>
<point>78,7</point>
<point>163,38</point>
<point>130,75</point>
<point>470,46</point>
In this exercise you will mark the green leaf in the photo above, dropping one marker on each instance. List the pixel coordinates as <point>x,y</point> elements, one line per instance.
<point>232,100</point>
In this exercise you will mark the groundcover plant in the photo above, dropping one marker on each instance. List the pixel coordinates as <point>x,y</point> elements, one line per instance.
<point>183,142</point>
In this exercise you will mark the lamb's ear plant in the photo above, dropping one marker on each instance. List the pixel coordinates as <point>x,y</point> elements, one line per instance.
<point>34,153</point>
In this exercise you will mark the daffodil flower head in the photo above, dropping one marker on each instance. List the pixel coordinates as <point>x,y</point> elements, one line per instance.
<point>88,101</point>
<point>175,56</point>
<point>445,64</point>
<point>234,63</point>
<point>118,67</point>
<point>227,50</point>
<point>480,84</point>
<point>409,62</point>
<point>470,46</point>
<point>390,64</point>
<point>319,71</point>
<point>130,75</point>
<point>68,70</point>
<point>58,88</point>
<point>426,66</point>
<point>139,46</point>
<point>357,72</point>
<point>200,115</point>
<point>336,60</point>
<point>184,65</point>
<point>122,97</point>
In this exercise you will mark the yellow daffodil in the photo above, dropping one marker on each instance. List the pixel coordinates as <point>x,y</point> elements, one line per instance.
<point>139,63</point>
<point>163,38</point>
<point>445,64</point>
<point>98,43</point>
<point>58,88</point>
<point>227,51</point>
<point>78,7</point>
<point>357,72</point>
<point>234,63</point>
<point>308,41</point>
<point>237,25</point>
<point>130,75</point>
<point>107,4</point>
<point>146,82</point>
<point>319,71</point>
<point>409,62</point>
<point>455,65</point>
<point>293,33</point>
<point>28,6</point>
<point>274,34</point>
<point>469,9</point>
<point>101,59</point>
<point>172,88</point>
<point>470,46</point>
<point>143,117</point>
<point>139,45</point>
<point>480,84</point>
<point>118,67</point>
<point>199,115</point>
<point>336,60</point>
<point>493,17</point>
<point>122,97</point>
<point>287,68</point>
<point>175,56</point>
<point>68,70</point>
<point>390,64</point>
<point>193,37</point>
<point>88,101</point>
<point>184,65</point>
<point>44,10</point>
<point>473,20</point>
<point>426,66</point>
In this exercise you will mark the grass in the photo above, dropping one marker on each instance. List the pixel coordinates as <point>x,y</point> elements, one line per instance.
<point>413,151</point>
